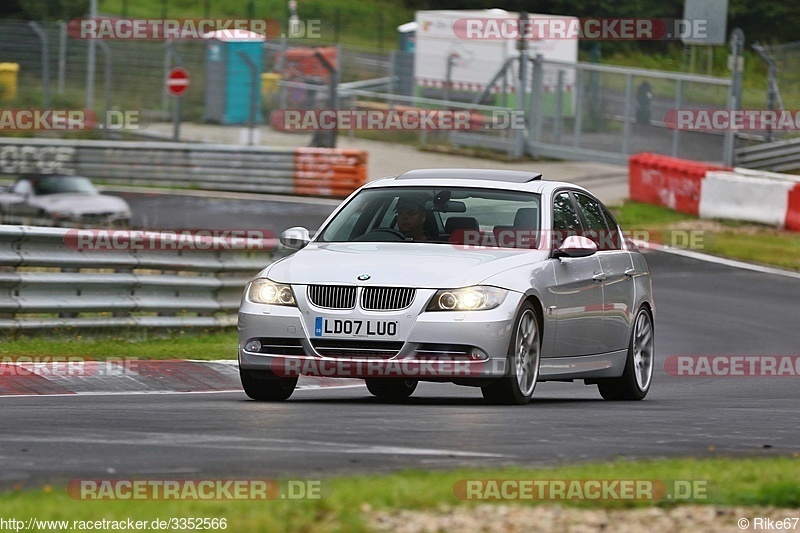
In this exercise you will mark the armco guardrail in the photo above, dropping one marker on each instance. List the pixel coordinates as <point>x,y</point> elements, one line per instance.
<point>777,156</point>
<point>310,171</point>
<point>713,192</point>
<point>46,283</point>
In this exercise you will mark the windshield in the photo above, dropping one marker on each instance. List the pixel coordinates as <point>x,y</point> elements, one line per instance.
<point>471,216</point>
<point>62,184</point>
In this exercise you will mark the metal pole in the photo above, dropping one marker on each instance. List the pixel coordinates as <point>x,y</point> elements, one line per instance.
<point>176,119</point>
<point>522,46</point>
<point>559,107</point>
<point>734,97</point>
<point>576,137</point>
<point>45,62</point>
<point>678,103</point>
<point>535,111</point>
<point>106,85</point>
<point>90,59</point>
<point>165,91</point>
<point>626,126</point>
<point>62,55</point>
<point>772,82</point>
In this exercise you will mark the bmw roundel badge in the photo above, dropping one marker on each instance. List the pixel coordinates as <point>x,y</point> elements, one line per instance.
<point>363,277</point>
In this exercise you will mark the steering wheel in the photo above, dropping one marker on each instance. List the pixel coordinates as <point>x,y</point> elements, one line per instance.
<point>390,231</point>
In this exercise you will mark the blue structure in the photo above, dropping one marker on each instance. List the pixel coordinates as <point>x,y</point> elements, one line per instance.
<point>229,80</point>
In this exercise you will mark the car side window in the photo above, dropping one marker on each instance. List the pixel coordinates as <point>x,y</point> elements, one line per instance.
<point>566,221</point>
<point>597,229</point>
<point>613,227</point>
<point>22,187</point>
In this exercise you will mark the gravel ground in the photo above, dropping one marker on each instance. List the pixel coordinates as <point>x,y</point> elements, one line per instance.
<point>512,518</point>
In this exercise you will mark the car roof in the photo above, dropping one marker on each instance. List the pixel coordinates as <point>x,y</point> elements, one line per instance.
<point>514,180</point>
<point>514,176</point>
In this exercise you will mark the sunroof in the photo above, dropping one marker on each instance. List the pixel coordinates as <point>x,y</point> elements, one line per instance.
<point>512,176</point>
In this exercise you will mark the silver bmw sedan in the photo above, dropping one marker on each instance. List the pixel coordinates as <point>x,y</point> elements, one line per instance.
<point>485,278</point>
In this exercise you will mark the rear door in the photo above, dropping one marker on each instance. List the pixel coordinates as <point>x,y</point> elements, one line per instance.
<point>617,266</point>
<point>579,295</point>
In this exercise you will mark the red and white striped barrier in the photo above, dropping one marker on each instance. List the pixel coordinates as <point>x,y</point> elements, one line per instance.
<point>712,191</point>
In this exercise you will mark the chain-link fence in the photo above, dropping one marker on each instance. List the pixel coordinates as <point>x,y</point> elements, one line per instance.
<point>570,110</point>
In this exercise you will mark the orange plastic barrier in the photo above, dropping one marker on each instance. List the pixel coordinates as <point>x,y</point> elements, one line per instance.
<point>793,209</point>
<point>329,171</point>
<point>668,181</point>
<point>303,62</point>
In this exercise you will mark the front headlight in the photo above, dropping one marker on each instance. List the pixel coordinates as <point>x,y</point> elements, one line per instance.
<point>265,291</point>
<point>476,298</point>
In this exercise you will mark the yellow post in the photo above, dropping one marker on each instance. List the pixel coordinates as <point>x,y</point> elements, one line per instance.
<point>8,80</point>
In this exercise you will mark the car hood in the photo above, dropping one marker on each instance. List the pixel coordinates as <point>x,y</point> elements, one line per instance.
<point>421,265</point>
<point>80,204</point>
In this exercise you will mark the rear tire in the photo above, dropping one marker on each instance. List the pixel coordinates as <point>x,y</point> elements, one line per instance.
<point>524,355</point>
<point>637,377</point>
<point>264,386</point>
<point>391,388</point>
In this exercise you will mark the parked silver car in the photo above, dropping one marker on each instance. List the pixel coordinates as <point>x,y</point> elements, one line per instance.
<point>485,278</point>
<point>61,200</point>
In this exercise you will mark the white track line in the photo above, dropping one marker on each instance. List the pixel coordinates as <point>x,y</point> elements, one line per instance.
<point>718,260</point>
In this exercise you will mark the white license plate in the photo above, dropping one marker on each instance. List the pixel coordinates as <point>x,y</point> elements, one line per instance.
<point>343,327</point>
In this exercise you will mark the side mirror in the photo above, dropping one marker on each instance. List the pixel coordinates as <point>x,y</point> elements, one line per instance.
<point>295,238</point>
<point>576,246</point>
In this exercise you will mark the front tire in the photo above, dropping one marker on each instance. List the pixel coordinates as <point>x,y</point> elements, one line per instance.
<point>524,350</point>
<point>391,388</point>
<point>635,381</point>
<point>264,386</point>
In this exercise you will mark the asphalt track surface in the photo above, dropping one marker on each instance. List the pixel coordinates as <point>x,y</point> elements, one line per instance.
<point>702,308</point>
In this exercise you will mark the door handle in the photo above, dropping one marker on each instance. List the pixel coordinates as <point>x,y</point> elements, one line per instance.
<point>630,272</point>
<point>599,277</point>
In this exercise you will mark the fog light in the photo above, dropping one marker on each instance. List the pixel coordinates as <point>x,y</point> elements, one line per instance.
<point>477,354</point>
<point>252,346</point>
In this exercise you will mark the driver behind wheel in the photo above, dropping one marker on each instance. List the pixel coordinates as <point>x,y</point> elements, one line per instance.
<point>411,217</point>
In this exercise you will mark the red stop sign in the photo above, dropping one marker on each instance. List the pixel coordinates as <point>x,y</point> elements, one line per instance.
<point>178,81</point>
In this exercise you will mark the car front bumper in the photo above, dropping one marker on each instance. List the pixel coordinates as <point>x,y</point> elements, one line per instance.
<point>437,346</point>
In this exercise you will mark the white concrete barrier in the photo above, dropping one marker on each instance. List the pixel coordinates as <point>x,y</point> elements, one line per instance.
<point>750,198</point>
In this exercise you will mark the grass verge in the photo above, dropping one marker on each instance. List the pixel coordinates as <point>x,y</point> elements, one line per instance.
<point>128,344</point>
<point>742,482</point>
<point>753,243</point>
